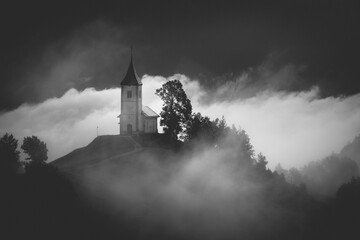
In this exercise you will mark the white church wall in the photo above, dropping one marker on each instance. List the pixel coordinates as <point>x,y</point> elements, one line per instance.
<point>131,103</point>
<point>150,125</point>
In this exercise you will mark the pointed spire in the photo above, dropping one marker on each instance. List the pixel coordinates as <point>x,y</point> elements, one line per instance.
<point>131,77</point>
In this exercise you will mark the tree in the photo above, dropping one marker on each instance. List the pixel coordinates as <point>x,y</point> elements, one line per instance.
<point>176,111</point>
<point>261,162</point>
<point>325,176</point>
<point>221,130</point>
<point>294,177</point>
<point>9,155</point>
<point>350,191</point>
<point>280,170</point>
<point>35,149</point>
<point>200,128</point>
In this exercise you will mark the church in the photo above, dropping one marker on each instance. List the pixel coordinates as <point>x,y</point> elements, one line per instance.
<point>135,118</point>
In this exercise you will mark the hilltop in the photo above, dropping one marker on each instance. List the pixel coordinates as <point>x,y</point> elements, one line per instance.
<point>149,187</point>
<point>111,148</point>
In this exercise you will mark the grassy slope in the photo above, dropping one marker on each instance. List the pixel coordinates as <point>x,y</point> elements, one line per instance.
<point>95,168</point>
<point>110,146</point>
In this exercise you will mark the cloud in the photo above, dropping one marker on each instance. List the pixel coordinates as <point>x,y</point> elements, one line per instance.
<point>268,76</point>
<point>67,122</point>
<point>293,128</point>
<point>198,195</point>
<point>94,55</point>
<point>290,128</point>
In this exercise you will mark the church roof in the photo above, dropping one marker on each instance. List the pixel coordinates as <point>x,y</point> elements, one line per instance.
<point>131,77</point>
<point>148,112</point>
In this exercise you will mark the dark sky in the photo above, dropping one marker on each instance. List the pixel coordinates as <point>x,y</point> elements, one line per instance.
<point>204,39</point>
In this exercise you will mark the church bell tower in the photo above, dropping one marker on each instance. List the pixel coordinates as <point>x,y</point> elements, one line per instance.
<point>131,102</point>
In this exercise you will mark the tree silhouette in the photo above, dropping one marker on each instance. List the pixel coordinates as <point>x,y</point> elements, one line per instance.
<point>261,162</point>
<point>325,176</point>
<point>176,111</point>
<point>35,149</point>
<point>218,134</point>
<point>9,155</point>
<point>200,128</point>
<point>280,170</point>
<point>350,192</point>
<point>294,176</point>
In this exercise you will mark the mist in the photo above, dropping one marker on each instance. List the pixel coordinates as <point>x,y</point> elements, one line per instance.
<point>289,128</point>
<point>289,122</point>
<point>203,193</point>
<point>198,193</point>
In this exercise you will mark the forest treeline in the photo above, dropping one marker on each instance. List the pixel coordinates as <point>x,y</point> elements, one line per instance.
<point>319,201</point>
<point>324,177</point>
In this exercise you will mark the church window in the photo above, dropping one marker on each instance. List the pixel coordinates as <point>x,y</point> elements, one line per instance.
<point>129,94</point>
<point>139,92</point>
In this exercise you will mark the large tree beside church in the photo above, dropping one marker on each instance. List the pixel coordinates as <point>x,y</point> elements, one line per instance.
<point>176,110</point>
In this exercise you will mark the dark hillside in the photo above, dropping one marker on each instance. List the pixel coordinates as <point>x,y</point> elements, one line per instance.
<point>352,150</point>
<point>157,141</point>
<point>149,187</point>
<point>112,147</point>
<point>99,149</point>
